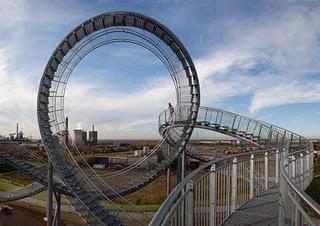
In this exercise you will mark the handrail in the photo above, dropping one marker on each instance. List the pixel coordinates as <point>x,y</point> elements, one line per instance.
<point>272,138</point>
<point>178,189</point>
<point>295,188</point>
<point>315,206</point>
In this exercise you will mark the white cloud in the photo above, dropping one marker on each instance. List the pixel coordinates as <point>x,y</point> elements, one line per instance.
<point>286,94</point>
<point>283,48</point>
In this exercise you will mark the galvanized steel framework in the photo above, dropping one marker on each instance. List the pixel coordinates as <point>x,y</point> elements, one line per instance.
<point>212,194</point>
<point>224,185</point>
<point>96,32</point>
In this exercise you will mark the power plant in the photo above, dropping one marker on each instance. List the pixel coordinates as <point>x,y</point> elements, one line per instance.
<point>80,137</point>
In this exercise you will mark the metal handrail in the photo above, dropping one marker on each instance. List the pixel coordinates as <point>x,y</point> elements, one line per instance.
<point>272,138</point>
<point>179,188</point>
<point>302,194</point>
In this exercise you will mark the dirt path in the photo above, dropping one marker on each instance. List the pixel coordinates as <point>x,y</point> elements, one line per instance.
<point>21,216</point>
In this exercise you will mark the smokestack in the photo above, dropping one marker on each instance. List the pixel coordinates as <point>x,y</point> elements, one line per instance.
<point>92,127</point>
<point>17,134</point>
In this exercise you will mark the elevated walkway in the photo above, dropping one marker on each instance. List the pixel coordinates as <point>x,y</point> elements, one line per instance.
<point>261,210</point>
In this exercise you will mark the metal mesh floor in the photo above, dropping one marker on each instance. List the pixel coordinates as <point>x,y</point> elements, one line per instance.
<point>261,210</point>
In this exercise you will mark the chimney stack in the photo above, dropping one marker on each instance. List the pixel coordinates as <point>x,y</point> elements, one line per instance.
<point>17,134</point>
<point>67,131</point>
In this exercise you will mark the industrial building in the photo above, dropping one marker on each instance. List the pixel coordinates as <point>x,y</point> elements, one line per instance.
<point>80,137</point>
<point>93,136</point>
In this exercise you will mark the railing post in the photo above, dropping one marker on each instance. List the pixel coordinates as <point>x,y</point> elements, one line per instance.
<point>213,190</point>
<point>251,176</point>
<point>234,120</point>
<point>301,171</point>
<point>234,186</point>
<point>293,167</point>
<point>50,191</point>
<point>277,166</point>
<point>311,165</point>
<point>259,131</point>
<point>189,204</point>
<point>270,135</point>
<point>287,208</point>
<point>266,176</point>
<point>168,173</point>
<point>308,167</point>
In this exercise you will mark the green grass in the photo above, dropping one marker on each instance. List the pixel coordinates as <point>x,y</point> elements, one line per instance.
<point>130,208</point>
<point>313,189</point>
<point>7,186</point>
<point>43,196</point>
<point>316,170</point>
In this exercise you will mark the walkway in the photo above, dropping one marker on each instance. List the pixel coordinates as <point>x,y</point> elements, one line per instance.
<point>261,210</point>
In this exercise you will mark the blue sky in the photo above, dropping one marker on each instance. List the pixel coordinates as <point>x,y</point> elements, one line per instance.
<point>257,58</point>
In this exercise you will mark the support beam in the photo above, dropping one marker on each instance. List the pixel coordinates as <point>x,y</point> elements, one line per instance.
<point>50,190</point>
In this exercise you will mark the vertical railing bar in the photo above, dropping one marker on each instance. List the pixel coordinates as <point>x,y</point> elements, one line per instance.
<point>234,185</point>
<point>266,177</point>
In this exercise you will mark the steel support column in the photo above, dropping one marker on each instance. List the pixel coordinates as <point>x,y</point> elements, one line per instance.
<point>50,190</point>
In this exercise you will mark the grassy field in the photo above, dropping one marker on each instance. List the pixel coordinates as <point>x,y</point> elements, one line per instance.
<point>7,185</point>
<point>148,198</point>
<point>313,189</point>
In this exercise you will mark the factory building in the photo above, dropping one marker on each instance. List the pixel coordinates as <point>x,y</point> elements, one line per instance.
<point>80,137</point>
<point>84,136</point>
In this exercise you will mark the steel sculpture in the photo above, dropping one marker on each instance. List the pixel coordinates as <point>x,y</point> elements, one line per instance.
<point>98,31</point>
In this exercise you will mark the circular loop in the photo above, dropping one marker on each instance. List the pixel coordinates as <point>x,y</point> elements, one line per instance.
<point>96,32</point>
<point>109,28</point>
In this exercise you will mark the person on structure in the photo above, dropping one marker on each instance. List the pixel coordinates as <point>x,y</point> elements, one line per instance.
<point>171,109</point>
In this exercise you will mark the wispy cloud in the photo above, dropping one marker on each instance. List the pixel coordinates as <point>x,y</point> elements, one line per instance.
<point>270,59</point>
<point>286,94</point>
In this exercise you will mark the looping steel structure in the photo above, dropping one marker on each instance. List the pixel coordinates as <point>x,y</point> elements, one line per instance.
<point>220,192</point>
<point>98,31</point>
<point>261,187</point>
